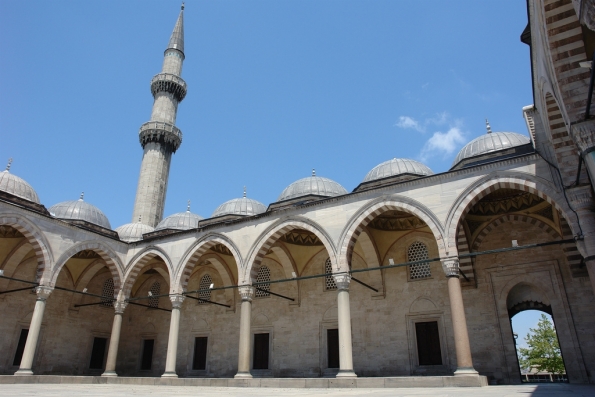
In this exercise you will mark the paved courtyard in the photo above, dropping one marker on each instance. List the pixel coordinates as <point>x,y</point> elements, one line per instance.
<point>93,390</point>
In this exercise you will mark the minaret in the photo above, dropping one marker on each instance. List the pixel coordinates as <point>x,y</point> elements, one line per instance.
<point>160,137</point>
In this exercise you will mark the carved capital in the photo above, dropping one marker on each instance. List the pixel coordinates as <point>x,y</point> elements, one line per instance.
<point>584,135</point>
<point>450,267</point>
<point>581,198</point>
<point>246,292</point>
<point>43,292</point>
<point>120,306</point>
<point>342,281</point>
<point>176,301</point>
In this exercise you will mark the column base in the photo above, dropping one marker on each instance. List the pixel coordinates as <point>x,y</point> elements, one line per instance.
<point>109,373</point>
<point>346,373</point>
<point>169,375</point>
<point>25,372</point>
<point>466,371</point>
<point>243,375</point>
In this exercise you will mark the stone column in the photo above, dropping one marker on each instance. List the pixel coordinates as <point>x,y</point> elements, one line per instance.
<point>43,293</point>
<point>584,137</point>
<point>247,294</point>
<point>112,353</point>
<point>344,319</point>
<point>174,331</point>
<point>459,323</point>
<point>582,202</point>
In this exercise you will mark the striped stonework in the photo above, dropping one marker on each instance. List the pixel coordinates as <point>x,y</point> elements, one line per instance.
<point>271,237</point>
<point>109,257</point>
<point>466,264</point>
<point>36,239</point>
<point>359,224</point>
<point>573,256</point>
<point>132,275</point>
<point>197,251</point>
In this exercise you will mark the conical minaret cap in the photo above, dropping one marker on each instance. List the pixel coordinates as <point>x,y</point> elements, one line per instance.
<point>177,37</point>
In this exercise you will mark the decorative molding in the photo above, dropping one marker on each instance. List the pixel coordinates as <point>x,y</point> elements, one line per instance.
<point>120,306</point>
<point>581,198</point>
<point>246,292</point>
<point>177,300</point>
<point>342,281</point>
<point>584,134</point>
<point>450,267</point>
<point>43,292</point>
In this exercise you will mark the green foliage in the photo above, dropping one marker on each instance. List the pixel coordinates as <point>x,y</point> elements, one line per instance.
<point>543,349</point>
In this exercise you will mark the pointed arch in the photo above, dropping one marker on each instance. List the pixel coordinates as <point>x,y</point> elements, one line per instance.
<point>270,236</point>
<point>139,261</point>
<point>14,260</point>
<point>366,214</point>
<point>196,251</point>
<point>110,258</point>
<point>36,238</point>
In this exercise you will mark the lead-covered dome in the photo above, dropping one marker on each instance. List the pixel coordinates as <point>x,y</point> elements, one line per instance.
<point>240,206</point>
<point>491,142</point>
<point>315,185</point>
<point>16,186</point>
<point>396,167</point>
<point>180,221</point>
<point>80,210</point>
<point>131,232</point>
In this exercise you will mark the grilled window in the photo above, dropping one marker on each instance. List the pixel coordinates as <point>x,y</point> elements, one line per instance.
<point>263,276</point>
<point>107,293</point>
<point>329,281</point>
<point>155,290</point>
<point>205,288</point>
<point>417,252</point>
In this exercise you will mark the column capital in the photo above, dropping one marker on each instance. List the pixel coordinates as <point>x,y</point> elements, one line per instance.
<point>450,266</point>
<point>176,300</point>
<point>43,292</point>
<point>584,135</point>
<point>342,280</point>
<point>246,292</point>
<point>120,306</point>
<point>581,198</point>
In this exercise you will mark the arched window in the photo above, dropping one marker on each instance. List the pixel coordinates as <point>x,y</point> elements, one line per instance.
<point>263,276</point>
<point>329,281</point>
<point>108,293</point>
<point>204,286</point>
<point>418,252</point>
<point>155,290</point>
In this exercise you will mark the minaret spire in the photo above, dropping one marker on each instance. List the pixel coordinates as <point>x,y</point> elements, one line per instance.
<point>160,137</point>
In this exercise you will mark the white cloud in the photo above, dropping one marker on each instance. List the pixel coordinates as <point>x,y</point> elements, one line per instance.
<point>409,122</point>
<point>443,143</point>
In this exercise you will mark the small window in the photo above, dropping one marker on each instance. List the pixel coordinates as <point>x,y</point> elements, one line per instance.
<point>263,276</point>
<point>329,281</point>
<point>147,357</point>
<point>332,347</point>
<point>108,293</point>
<point>155,290</point>
<point>418,252</point>
<point>428,343</point>
<point>98,353</point>
<point>261,351</point>
<point>204,287</point>
<point>18,355</point>
<point>200,353</point>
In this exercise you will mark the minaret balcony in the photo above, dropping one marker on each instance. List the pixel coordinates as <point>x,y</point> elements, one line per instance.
<point>164,133</point>
<point>167,82</point>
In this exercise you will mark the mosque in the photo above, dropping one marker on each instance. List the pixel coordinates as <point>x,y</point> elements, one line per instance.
<point>410,274</point>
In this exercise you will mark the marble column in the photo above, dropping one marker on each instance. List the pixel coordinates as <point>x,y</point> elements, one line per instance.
<point>112,353</point>
<point>459,323</point>
<point>174,331</point>
<point>247,294</point>
<point>344,320</point>
<point>581,200</point>
<point>43,293</point>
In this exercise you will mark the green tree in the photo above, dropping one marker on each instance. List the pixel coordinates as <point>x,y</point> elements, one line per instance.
<point>543,348</point>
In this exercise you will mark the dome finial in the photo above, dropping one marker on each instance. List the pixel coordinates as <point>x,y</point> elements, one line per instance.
<point>313,172</point>
<point>182,6</point>
<point>9,164</point>
<point>82,195</point>
<point>488,127</point>
<point>244,191</point>
<point>187,208</point>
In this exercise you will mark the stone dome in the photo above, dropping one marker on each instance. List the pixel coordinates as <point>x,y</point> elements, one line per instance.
<point>316,185</point>
<point>180,221</point>
<point>131,232</point>
<point>396,167</point>
<point>490,142</point>
<point>80,210</point>
<point>240,206</point>
<point>16,186</point>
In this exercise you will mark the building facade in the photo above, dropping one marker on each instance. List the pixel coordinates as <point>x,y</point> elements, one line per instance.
<point>412,273</point>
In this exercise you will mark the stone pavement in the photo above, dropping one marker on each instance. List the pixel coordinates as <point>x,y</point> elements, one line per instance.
<point>96,390</point>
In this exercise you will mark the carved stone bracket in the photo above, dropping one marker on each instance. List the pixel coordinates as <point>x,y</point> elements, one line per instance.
<point>450,267</point>
<point>246,292</point>
<point>176,301</point>
<point>342,281</point>
<point>120,306</point>
<point>584,135</point>
<point>43,292</point>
